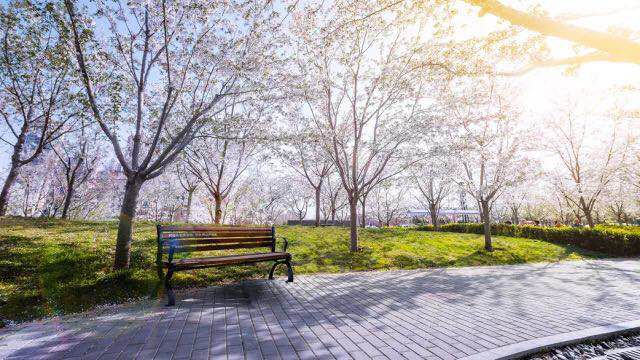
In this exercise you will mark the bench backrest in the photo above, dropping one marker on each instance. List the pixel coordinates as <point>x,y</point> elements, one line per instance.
<point>194,238</point>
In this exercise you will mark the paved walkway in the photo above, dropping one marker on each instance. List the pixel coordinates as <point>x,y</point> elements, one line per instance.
<point>431,314</point>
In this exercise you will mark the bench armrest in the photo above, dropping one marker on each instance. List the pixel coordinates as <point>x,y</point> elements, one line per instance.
<point>285,243</point>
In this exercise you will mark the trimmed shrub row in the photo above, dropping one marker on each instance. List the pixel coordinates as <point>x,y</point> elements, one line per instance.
<point>608,241</point>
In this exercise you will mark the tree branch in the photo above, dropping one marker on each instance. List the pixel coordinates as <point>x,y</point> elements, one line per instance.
<point>620,47</point>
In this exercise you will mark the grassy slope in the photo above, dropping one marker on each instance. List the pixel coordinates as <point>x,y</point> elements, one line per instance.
<point>51,267</point>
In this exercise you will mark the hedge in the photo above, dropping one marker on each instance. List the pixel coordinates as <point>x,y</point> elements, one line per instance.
<point>608,241</point>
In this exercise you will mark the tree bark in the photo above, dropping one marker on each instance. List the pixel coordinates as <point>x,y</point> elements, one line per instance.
<point>318,190</point>
<point>125,226</point>
<point>515,217</point>
<point>68,197</point>
<point>486,219</point>
<point>433,212</point>
<point>8,183</point>
<point>587,212</point>
<point>621,48</point>
<point>189,201</point>
<point>589,216</point>
<point>363,223</point>
<point>353,237</point>
<point>218,201</point>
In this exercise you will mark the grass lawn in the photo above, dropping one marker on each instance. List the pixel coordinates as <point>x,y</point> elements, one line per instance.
<point>51,267</point>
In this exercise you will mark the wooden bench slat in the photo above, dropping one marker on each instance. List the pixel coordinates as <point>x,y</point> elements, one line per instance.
<point>219,247</point>
<point>229,260</point>
<point>211,228</point>
<point>201,234</point>
<point>213,240</point>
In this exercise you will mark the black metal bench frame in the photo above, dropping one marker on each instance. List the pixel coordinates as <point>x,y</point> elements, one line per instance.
<point>174,239</point>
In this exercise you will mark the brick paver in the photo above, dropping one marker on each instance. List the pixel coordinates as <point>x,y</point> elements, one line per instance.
<point>427,314</point>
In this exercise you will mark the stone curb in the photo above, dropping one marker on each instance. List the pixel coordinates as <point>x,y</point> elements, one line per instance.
<point>529,347</point>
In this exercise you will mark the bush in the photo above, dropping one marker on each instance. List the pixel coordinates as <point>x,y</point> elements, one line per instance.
<point>609,241</point>
<point>426,228</point>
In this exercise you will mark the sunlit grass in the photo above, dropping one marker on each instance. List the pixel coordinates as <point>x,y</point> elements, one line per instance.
<point>51,267</point>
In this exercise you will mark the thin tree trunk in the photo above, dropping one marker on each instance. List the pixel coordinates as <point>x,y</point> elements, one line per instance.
<point>218,202</point>
<point>8,183</point>
<point>125,226</point>
<point>318,189</point>
<point>211,212</point>
<point>587,212</point>
<point>353,208</point>
<point>189,200</point>
<point>589,216</point>
<point>363,223</point>
<point>13,171</point>
<point>486,217</point>
<point>433,212</point>
<point>68,197</point>
<point>515,216</point>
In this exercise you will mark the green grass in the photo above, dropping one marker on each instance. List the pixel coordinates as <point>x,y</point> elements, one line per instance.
<point>50,267</point>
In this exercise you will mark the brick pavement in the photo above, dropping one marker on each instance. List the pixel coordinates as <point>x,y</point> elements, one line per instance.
<point>423,314</point>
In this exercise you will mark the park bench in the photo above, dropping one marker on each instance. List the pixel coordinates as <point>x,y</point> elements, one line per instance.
<point>189,240</point>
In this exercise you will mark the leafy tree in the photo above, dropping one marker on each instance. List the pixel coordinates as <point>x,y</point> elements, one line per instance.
<point>156,74</point>
<point>38,104</point>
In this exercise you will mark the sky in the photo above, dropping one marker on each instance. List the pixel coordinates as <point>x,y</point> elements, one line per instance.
<point>540,88</point>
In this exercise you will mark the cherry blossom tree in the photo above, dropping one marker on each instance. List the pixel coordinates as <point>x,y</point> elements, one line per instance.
<point>38,104</point>
<point>224,151</point>
<point>334,199</point>
<point>388,202</point>
<point>434,177</point>
<point>362,84</point>
<point>303,152</point>
<point>78,155</point>
<point>298,203</point>
<point>37,192</point>
<point>189,183</point>
<point>259,199</point>
<point>591,157</point>
<point>491,146</point>
<point>157,72</point>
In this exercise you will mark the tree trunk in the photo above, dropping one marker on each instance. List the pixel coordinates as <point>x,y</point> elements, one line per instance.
<point>125,225</point>
<point>433,212</point>
<point>589,216</point>
<point>8,183</point>
<point>587,212</point>
<point>218,201</point>
<point>486,218</point>
<point>515,216</point>
<point>68,197</point>
<point>318,205</point>
<point>189,201</point>
<point>353,208</point>
<point>363,222</point>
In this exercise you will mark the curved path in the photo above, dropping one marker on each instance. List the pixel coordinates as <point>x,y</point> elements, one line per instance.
<point>428,314</point>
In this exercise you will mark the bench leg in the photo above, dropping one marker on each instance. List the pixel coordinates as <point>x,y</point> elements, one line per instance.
<point>168,288</point>
<point>289,269</point>
<point>273,268</point>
